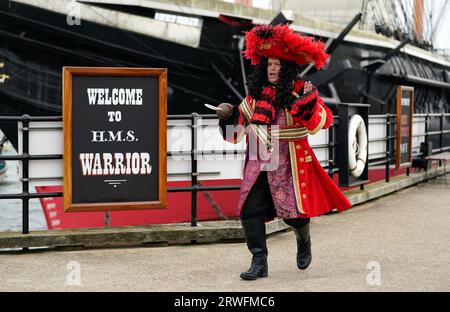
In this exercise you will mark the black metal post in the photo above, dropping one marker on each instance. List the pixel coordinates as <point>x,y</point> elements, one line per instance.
<point>194,174</point>
<point>441,134</point>
<point>427,120</point>
<point>388,146</point>
<point>25,176</point>
<point>331,151</point>
<point>426,139</point>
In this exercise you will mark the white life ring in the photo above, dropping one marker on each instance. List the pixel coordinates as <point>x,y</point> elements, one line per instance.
<point>357,145</point>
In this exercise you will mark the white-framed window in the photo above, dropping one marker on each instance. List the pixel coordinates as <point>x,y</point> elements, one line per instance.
<point>178,19</point>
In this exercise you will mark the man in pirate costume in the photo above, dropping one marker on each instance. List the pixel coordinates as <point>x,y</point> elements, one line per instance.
<point>278,114</point>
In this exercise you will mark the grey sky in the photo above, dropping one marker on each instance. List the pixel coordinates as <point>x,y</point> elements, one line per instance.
<point>442,39</point>
<point>443,32</point>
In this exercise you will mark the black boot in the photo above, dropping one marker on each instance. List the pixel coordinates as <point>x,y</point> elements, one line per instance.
<point>255,236</point>
<point>304,256</point>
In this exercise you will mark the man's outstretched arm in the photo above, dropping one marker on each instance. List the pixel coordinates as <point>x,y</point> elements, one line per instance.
<point>231,123</point>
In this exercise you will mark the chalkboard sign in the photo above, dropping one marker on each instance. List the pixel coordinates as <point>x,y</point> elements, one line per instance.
<point>404,113</point>
<point>114,123</point>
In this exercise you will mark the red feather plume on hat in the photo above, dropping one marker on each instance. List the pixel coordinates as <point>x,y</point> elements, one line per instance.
<point>282,42</point>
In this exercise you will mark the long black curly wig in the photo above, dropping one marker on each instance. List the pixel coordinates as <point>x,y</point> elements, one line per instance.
<point>257,80</point>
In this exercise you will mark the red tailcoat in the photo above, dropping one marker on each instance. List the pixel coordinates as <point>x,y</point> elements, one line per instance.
<point>315,192</point>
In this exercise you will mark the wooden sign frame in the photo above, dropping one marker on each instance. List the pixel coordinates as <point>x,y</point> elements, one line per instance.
<point>400,90</point>
<point>161,75</point>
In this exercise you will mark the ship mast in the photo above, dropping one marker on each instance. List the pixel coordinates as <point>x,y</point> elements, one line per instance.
<point>442,11</point>
<point>418,20</point>
<point>244,2</point>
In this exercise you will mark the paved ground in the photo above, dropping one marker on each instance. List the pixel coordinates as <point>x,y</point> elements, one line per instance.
<point>397,243</point>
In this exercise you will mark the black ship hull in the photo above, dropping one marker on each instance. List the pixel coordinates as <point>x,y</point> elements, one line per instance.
<point>35,44</point>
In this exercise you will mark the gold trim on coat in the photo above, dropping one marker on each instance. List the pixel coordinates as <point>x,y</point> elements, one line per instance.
<point>294,168</point>
<point>260,132</point>
<point>266,137</point>
<point>323,114</point>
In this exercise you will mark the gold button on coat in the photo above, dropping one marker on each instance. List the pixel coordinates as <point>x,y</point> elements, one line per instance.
<point>302,159</point>
<point>304,196</point>
<point>303,184</point>
<point>298,146</point>
<point>302,171</point>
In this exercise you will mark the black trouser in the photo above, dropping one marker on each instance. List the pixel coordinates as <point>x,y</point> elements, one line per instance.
<point>259,204</point>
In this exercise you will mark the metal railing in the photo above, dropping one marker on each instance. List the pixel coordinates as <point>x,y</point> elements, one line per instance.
<point>195,186</point>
